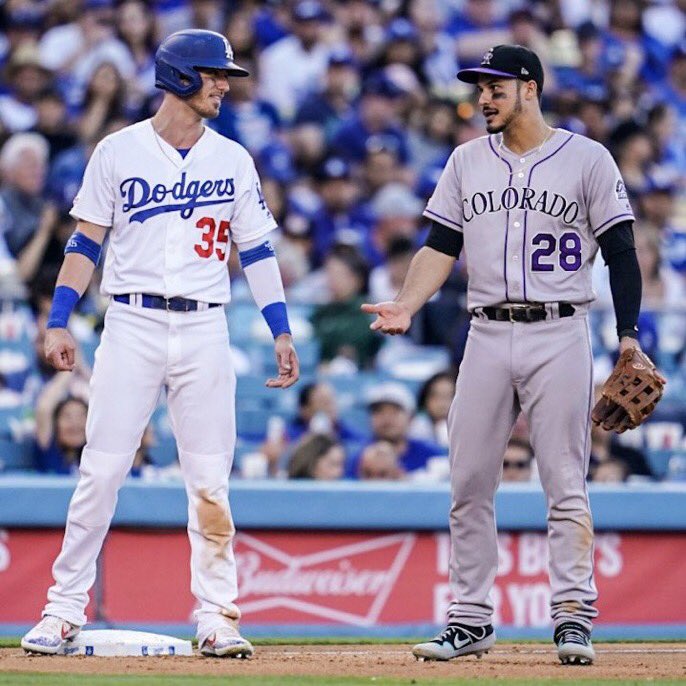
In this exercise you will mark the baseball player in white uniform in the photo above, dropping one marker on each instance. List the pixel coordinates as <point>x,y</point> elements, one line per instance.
<point>531,205</point>
<point>171,195</point>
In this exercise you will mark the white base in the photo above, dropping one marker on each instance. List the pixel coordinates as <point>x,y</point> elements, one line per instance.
<point>118,643</point>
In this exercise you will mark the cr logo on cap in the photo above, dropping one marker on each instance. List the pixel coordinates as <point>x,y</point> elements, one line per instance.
<point>488,56</point>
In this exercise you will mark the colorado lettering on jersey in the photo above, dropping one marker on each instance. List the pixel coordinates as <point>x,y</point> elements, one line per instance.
<point>526,198</point>
<point>138,194</point>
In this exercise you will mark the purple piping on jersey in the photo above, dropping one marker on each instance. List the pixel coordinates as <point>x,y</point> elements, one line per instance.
<point>526,212</point>
<point>507,219</point>
<point>618,216</point>
<point>587,459</point>
<point>452,221</point>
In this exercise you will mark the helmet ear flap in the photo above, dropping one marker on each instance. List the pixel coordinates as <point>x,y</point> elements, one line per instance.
<point>180,80</point>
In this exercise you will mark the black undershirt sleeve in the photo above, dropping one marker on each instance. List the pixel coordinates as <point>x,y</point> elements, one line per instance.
<point>445,240</point>
<point>618,251</point>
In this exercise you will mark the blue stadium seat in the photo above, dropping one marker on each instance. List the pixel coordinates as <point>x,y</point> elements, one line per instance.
<point>15,455</point>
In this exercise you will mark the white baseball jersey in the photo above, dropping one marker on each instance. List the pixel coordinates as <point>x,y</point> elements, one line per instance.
<point>172,219</point>
<point>530,222</point>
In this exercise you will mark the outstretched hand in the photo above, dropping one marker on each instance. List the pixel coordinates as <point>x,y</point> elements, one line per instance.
<point>391,317</point>
<point>287,361</point>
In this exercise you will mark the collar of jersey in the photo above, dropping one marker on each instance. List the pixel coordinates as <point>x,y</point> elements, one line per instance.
<point>502,148</point>
<point>171,154</point>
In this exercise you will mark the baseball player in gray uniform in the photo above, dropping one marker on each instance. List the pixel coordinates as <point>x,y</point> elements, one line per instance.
<point>531,205</point>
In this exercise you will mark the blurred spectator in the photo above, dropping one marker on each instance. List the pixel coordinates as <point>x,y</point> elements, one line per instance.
<point>526,30</point>
<point>294,66</point>
<point>137,29</point>
<point>104,101</point>
<point>241,30</point>
<point>478,26</point>
<point>386,279</point>
<point>611,471</point>
<point>142,462</point>
<point>360,22</point>
<point>518,460</point>
<point>52,123</point>
<point>435,139</point>
<point>585,79</point>
<point>379,461</point>
<point>612,461</point>
<point>244,117</point>
<point>340,327</point>
<point>26,78</point>
<point>398,212</point>
<point>318,413</point>
<point>342,217</point>
<point>376,123</point>
<point>381,167</point>
<point>75,50</point>
<point>317,457</point>
<point>633,151</point>
<point>433,403</point>
<point>391,407</point>
<point>60,434</point>
<point>670,153</point>
<point>663,289</point>
<point>321,112</point>
<point>27,221</point>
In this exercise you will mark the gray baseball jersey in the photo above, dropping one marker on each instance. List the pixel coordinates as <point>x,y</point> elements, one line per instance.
<point>530,222</point>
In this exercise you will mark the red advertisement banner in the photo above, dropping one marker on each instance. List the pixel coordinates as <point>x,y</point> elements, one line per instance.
<point>345,579</point>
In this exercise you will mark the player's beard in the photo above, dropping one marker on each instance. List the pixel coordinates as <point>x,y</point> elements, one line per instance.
<point>516,111</point>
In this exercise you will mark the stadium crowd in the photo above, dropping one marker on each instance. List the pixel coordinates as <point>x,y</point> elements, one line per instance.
<point>351,111</point>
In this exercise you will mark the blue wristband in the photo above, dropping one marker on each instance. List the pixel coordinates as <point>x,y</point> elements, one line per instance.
<point>80,243</point>
<point>277,318</point>
<point>63,303</point>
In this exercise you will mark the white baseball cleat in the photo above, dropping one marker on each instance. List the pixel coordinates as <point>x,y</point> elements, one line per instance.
<point>226,642</point>
<point>574,645</point>
<point>456,640</point>
<point>49,635</point>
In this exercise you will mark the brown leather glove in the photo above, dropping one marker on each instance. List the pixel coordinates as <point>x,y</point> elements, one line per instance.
<point>630,394</point>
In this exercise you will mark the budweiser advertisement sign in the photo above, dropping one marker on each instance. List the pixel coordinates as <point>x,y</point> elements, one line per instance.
<point>355,580</point>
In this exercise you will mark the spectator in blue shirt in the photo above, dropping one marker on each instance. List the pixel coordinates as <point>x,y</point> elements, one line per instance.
<point>60,442</point>
<point>342,217</point>
<point>318,413</point>
<point>246,118</point>
<point>327,108</point>
<point>391,407</point>
<point>376,120</point>
<point>587,78</point>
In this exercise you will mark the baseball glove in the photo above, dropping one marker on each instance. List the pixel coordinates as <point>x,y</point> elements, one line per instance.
<point>630,394</point>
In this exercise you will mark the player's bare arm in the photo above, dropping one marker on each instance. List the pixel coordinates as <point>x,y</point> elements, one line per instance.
<point>428,271</point>
<point>75,274</point>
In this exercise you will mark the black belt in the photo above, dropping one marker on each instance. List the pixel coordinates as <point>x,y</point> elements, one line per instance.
<point>524,313</point>
<point>157,302</point>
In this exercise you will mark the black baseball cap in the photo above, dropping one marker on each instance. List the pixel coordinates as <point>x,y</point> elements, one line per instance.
<point>510,61</point>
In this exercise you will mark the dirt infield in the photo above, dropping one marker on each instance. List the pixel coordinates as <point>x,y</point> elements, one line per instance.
<point>526,661</point>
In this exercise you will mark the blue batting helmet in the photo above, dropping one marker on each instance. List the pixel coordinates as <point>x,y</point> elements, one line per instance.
<point>179,57</point>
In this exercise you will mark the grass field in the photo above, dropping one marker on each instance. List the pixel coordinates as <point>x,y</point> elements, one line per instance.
<point>133,680</point>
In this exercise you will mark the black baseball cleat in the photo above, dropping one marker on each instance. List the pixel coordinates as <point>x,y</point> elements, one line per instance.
<point>456,640</point>
<point>574,645</point>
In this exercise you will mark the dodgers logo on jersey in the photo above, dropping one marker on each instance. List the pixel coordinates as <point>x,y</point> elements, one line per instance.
<point>139,194</point>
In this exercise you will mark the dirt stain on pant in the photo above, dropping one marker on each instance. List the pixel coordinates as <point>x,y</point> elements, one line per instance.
<point>215,524</point>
